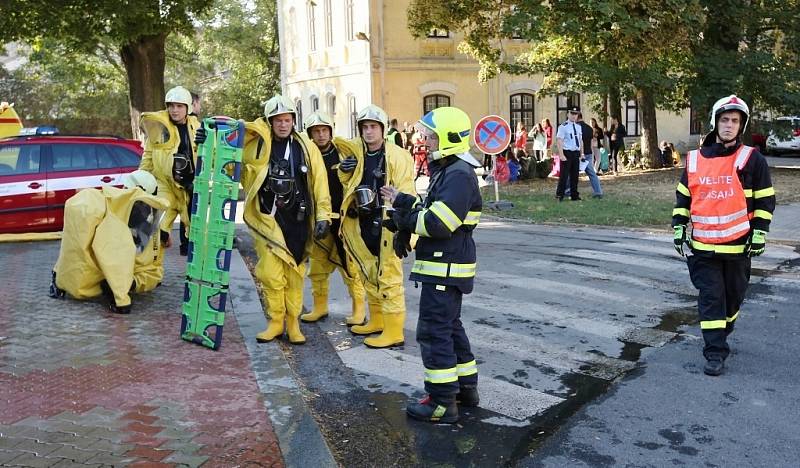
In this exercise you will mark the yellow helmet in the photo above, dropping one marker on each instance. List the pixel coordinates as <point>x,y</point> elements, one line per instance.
<point>142,179</point>
<point>279,105</point>
<point>180,95</point>
<point>374,113</point>
<point>318,118</point>
<point>452,127</point>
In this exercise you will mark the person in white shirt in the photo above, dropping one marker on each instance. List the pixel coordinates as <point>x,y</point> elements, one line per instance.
<point>570,149</point>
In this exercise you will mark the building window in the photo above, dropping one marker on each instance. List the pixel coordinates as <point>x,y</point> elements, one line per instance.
<point>563,102</point>
<point>328,24</point>
<point>298,105</point>
<point>332,106</point>
<point>314,103</point>
<point>312,28</point>
<point>351,109</point>
<point>632,117</point>
<point>521,106</point>
<point>433,101</point>
<point>349,20</point>
<point>695,120</point>
<point>439,33</point>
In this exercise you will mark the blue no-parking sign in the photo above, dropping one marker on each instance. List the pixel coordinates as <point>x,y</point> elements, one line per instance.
<point>492,134</point>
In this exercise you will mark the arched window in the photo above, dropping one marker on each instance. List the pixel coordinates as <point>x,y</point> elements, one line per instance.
<point>351,109</point>
<point>312,26</point>
<point>632,117</point>
<point>563,102</point>
<point>432,101</point>
<point>314,103</point>
<point>299,123</point>
<point>521,106</point>
<point>332,105</point>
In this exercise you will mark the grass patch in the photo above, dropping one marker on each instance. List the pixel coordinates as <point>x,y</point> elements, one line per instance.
<point>632,199</point>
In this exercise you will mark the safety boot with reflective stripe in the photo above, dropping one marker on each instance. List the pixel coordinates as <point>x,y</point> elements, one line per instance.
<point>428,410</point>
<point>468,396</point>
<point>320,309</point>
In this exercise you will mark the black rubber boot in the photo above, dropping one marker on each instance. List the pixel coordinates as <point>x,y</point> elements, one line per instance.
<point>714,366</point>
<point>55,292</point>
<point>430,411</point>
<point>468,396</point>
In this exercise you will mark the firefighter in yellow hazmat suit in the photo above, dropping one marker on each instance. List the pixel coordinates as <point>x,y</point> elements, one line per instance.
<point>328,254</point>
<point>110,244</point>
<point>287,207</point>
<point>170,155</point>
<point>374,165</point>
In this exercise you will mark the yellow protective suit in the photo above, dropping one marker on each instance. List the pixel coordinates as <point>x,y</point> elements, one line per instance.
<point>161,143</point>
<point>325,258</point>
<point>382,275</point>
<point>281,277</point>
<point>97,245</point>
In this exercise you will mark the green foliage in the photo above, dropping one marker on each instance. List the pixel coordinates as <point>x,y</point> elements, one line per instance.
<point>227,59</point>
<point>77,92</point>
<point>83,25</point>
<point>231,60</point>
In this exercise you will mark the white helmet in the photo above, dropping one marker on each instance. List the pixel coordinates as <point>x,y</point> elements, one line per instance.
<point>180,95</point>
<point>318,118</point>
<point>279,105</point>
<point>142,179</point>
<point>730,103</point>
<point>374,113</point>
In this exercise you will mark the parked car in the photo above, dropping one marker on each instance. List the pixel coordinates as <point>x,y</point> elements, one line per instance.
<point>39,172</point>
<point>785,137</point>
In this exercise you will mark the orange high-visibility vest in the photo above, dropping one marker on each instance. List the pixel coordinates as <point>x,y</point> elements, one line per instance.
<point>719,206</point>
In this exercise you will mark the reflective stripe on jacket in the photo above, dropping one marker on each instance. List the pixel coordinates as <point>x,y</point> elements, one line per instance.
<point>445,251</point>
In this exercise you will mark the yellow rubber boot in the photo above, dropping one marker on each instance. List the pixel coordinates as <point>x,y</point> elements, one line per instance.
<point>293,330</point>
<point>392,332</point>
<point>277,312</point>
<point>274,329</point>
<point>374,325</point>
<point>320,310</point>
<point>359,313</point>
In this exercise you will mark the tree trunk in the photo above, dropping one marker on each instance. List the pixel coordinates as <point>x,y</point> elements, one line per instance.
<point>649,126</point>
<point>614,102</point>
<point>144,60</point>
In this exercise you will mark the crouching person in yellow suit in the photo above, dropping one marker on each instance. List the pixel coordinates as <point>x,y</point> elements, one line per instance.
<point>287,208</point>
<point>110,244</point>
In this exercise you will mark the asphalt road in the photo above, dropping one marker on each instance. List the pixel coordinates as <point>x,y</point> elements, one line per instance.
<point>595,323</point>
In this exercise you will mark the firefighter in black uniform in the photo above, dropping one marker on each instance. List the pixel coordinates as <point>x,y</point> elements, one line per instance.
<point>445,262</point>
<point>727,194</point>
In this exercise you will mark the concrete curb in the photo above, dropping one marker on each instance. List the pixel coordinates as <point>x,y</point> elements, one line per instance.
<point>301,441</point>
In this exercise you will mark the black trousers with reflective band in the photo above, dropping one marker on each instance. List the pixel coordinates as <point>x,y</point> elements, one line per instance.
<point>442,340</point>
<point>722,284</point>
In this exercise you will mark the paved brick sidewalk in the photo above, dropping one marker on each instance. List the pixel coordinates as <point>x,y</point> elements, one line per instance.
<point>82,386</point>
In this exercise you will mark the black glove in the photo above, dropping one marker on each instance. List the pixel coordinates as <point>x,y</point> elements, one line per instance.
<point>200,136</point>
<point>402,244</point>
<point>389,224</point>
<point>321,229</point>
<point>348,164</point>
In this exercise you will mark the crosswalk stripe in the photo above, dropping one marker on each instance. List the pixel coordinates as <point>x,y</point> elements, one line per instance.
<point>501,397</point>
<point>642,262</point>
<point>550,286</point>
<point>484,337</point>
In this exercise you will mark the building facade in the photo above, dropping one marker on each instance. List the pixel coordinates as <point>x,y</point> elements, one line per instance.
<point>341,55</point>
